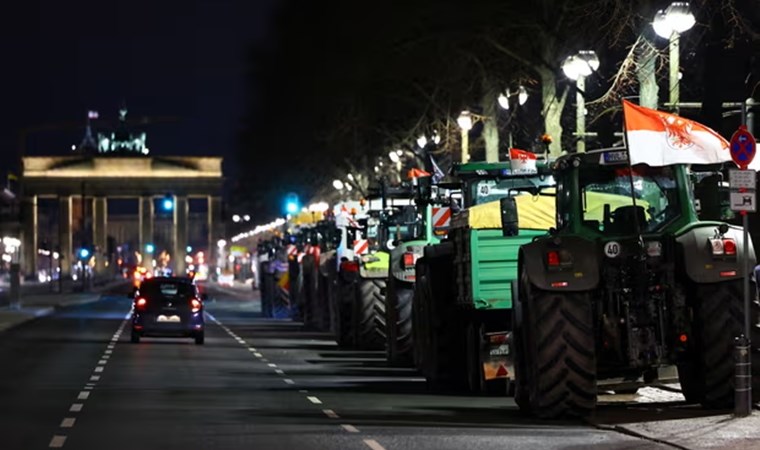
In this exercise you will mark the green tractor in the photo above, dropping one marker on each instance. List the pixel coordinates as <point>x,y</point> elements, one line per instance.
<point>629,282</point>
<point>430,219</point>
<point>462,305</point>
<point>358,297</point>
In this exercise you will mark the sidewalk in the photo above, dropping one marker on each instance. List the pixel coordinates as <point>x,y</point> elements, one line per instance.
<point>37,304</point>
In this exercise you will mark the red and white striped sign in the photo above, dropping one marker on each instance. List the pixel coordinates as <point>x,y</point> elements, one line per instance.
<point>361,247</point>
<point>292,250</point>
<point>441,217</point>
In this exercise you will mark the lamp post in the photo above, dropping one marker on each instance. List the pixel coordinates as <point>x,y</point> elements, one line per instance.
<point>465,124</point>
<point>669,24</point>
<point>577,67</point>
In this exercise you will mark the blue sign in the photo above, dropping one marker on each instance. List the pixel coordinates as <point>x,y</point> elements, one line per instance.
<point>743,147</point>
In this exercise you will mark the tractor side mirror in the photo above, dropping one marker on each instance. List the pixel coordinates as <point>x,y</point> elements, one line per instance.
<point>424,189</point>
<point>509,218</point>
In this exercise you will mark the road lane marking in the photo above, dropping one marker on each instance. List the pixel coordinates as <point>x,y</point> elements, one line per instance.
<point>99,369</point>
<point>108,352</point>
<point>272,365</point>
<point>258,355</point>
<point>57,441</point>
<point>330,413</point>
<point>102,362</point>
<point>373,444</point>
<point>87,388</point>
<point>76,407</point>
<point>289,381</point>
<point>251,349</point>
<point>315,400</point>
<point>68,422</point>
<point>264,360</point>
<point>350,428</point>
<point>83,395</point>
<point>279,372</point>
<point>95,378</point>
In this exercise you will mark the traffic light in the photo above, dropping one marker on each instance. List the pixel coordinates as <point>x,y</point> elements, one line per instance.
<point>167,203</point>
<point>84,253</point>
<point>149,248</point>
<point>291,203</point>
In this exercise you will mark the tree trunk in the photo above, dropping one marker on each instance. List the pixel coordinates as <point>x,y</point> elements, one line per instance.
<point>553,106</point>
<point>490,125</point>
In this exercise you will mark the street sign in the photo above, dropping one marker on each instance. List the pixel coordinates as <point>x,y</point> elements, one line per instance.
<point>742,179</point>
<point>743,201</point>
<point>742,147</point>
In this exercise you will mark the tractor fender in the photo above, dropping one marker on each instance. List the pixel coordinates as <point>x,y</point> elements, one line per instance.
<point>580,274</point>
<point>695,253</point>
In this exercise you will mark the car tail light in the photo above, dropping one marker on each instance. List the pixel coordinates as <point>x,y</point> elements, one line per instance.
<point>195,305</point>
<point>141,304</point>
<point>552,258</point>
<point>729,247</point>
<point>349,266</point>
<point>497,339</point>
<point>408,260</point>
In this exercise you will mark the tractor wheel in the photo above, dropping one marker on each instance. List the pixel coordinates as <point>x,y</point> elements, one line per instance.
<point>718,319</point>
<point>560,360</point>
<point>446,358</point>
<point>522,398</point>
<point>369,314</point>
<point>420,328</point>
<point>306,295</point>
<point>267,294</point>
<point>398,319</point>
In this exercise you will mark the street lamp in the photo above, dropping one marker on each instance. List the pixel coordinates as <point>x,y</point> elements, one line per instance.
<point>338,184</point>
<point>669,24</point>
<point>465,123</point>
<point>422,141</point>
<point>522,97</point>
<point>577,67</point>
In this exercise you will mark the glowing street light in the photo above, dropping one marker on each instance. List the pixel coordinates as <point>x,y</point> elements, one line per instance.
<point>669,24</point>
<point>394,156</point>
<point>577,67</point>
<point>338,184</point>
<point>465,124</point>
<point>422,141</point>
<point>236,218</point>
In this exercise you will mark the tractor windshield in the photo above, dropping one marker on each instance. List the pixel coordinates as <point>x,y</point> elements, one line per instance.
<point>490,190</point>
<point>608,193</point>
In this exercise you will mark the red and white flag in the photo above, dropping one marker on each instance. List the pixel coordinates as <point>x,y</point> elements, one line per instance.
<point>522,161</point>
<point>658,138</point>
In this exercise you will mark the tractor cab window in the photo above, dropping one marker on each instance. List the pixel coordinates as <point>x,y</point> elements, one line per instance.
<point>608,194</point>
<point>491,190</point>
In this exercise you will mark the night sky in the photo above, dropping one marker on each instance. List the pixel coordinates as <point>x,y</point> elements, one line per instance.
<point>180,64</point>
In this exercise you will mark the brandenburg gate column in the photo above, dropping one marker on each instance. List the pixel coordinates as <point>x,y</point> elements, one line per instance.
<point>64,235</point>
<point>99,232</point>
<point>214,231</point>
<point>146,228</point>
<point>180,234</point>
<point>29,243</point>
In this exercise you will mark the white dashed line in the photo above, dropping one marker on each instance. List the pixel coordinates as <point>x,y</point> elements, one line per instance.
<point>76,407</point>
<point>83,395</point>
<point>108,352</point>
<point>350,428</point>
<point>102,362</point>
<point>264,360</point>
<point>279,372</point>
<point>258,355</point>
<point>87,388</point>
<point>272,365</point>
<point>330,413</point>
<point>95,378</point>
<point>68,422</point>
<point>99,369</point>
<point>57,441</point>
<point>373,444</point>
<point>315,400</point>
<point>289,381</point>
<point>251,349</point>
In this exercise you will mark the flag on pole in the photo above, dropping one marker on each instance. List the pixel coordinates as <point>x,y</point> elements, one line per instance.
<point>438,174</point>
<point>658,138</point>
<point>416,173</point>
<point>522,161</point>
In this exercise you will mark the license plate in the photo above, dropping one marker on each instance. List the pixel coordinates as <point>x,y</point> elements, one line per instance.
<point>501,350</point>
<point>163,318</point>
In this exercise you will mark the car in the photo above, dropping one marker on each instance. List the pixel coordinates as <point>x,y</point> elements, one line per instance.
<point>168,306</point>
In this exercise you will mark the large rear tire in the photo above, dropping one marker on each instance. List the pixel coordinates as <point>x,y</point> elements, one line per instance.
<point>718,319</point>
<point>398,319</point>
<point>369,314</point>
<point>420,328</point>
<point>343,304</point>
<point>560,359</point>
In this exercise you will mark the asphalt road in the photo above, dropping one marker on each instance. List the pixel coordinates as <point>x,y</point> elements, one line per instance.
<point>73,380</point>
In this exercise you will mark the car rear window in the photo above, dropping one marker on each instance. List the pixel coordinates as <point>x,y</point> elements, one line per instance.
<point>167,289</point>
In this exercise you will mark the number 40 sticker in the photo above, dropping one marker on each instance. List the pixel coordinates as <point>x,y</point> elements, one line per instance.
<point>612,249</point>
